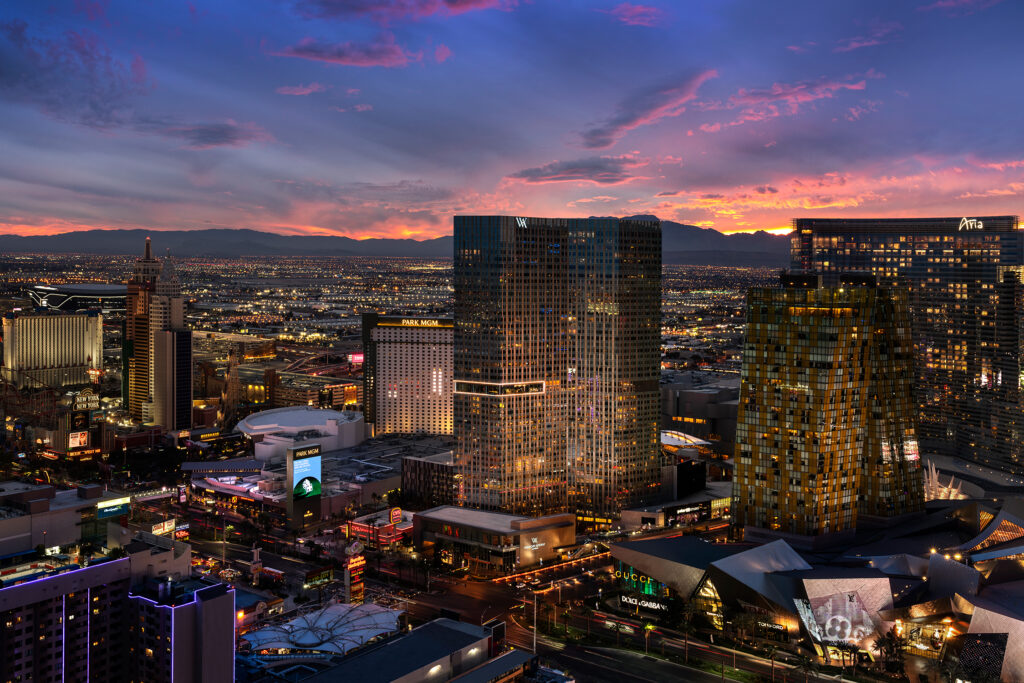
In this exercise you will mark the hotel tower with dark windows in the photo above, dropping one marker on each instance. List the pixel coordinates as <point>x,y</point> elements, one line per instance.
<point>964,281</point>
<point>825,435</point>
<point>557,352</point>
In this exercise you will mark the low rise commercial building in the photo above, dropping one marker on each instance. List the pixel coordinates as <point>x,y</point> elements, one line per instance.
<point>429,480</point>
<point>33,515</point>
<point>491,543</point>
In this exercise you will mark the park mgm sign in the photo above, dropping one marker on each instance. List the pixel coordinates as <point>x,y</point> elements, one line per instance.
<point>303,482</point>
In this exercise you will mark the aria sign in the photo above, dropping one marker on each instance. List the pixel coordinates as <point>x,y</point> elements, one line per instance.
<point>970,224</point>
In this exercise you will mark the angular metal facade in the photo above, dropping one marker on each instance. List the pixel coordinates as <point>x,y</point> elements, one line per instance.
<point>557,350</point>
<point>826,419</point>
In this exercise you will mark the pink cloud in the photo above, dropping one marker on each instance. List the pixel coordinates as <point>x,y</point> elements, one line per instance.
<point>301,89</point>
<point>959,6</point>
<point>363,107</point>
<point>382,51</point>
<point>352,92</point>
<point>995,165</point>
<point>866,107</point>
<point>711,127</point>
<point>636,15</point>
<point>94,10</point>
<point>442,53</point>
<point>879,34</point>
<point>138,70</point>
<point>644,109</point>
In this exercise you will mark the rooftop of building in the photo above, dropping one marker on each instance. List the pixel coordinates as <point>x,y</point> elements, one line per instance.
<point>432,641</point>
<point>497,668</point>
<point>496,522</point>
<point>294,418</point>
<point>333,629</point>
<point>87,288</point>
<point>445,458</point>
<point>692,551</point>
<point>713,490</point>
<point>175,593</point>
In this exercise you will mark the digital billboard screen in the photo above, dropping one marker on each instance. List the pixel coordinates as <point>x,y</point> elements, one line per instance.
<point>306,473</point>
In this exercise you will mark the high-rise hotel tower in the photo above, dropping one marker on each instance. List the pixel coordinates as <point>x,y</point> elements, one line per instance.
<point>557,352</point>
<point>157,346</point>
<point>825,435</point>
<point>964,280</point>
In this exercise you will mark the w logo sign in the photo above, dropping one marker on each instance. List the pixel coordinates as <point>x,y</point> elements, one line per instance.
<point>520,222</point>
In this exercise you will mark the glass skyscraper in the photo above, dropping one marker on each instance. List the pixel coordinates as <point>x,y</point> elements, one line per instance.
<point>557,353</point>
<point>963,276</point>
<point>825,435</point>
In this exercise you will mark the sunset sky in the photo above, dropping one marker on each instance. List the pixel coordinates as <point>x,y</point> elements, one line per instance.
<point>384,118</point>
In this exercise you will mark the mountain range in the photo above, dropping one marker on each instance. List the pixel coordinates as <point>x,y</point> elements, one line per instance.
<point>681,244</point>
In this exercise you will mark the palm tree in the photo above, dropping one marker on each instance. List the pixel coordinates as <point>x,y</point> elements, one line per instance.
<point>617,627</point>
<point>588,614</point>
<point>687,628</point>
<point>772,652</point>
<point>648,627</point>
<point>808,666</point>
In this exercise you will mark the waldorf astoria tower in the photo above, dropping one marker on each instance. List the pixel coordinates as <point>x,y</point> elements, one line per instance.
<point>556,364</point>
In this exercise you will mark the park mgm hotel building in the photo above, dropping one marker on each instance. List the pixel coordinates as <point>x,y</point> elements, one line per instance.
<point>963,275</point>
<point>557,352</point>
<point>826,430</point>
<point>407,371</point>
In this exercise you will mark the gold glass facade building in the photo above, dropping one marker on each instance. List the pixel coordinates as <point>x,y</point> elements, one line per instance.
<point>826,425</point>
<point>963,278</point>
<point>556,364</point>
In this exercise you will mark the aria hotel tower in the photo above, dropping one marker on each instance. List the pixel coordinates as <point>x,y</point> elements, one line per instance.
<point>964,281</point>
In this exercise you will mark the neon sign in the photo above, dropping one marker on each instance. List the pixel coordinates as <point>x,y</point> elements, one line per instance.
<point>970,224</point>
<point>520,222</point>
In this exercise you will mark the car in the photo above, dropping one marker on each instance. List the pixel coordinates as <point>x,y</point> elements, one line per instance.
<point>520,585</point>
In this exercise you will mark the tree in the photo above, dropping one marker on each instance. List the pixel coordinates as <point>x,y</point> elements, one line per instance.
<point>890,646</point>
<point>588,614</point>
<point>807,666</point>
<point>687,626</point>
<point>648,627</point>
<point>772,652</point>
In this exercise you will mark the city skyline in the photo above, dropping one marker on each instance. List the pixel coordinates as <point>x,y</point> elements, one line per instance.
<point>337,118</point>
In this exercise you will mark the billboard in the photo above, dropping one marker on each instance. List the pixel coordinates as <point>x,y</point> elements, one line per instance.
<point>306,473</point>
<point>78,440</point>
<point>840,617</point>
<point>304,481</point>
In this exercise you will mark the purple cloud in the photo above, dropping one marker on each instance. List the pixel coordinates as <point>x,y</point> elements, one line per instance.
<point>383,51</point>
<point>210,135</point>
<point>646,108</point>
<point>75,78</point>
<point>385,11</point>
<point>602,170</point>
<point>442,53</point>
<point>879,34</point>
<point>635,15</point>
<point>301,89</point>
